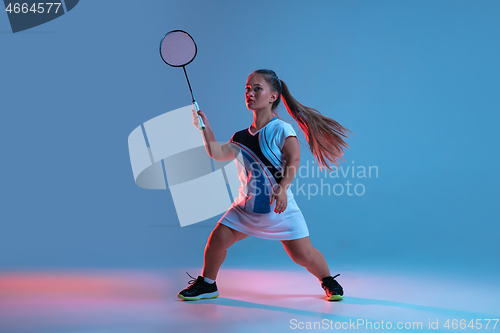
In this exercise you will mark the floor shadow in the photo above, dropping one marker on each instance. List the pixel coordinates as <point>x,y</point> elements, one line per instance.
<point>251,305</point>
<point>347,300</point>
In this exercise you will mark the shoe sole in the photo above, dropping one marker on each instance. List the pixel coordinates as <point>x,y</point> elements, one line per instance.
<point>335,298</point>
<point>197,298</point>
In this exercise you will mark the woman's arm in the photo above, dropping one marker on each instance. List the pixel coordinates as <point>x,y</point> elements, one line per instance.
<point>214,149</point>
<point>291,153</point>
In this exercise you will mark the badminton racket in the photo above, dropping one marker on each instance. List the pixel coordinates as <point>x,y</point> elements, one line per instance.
<point>178,49</point>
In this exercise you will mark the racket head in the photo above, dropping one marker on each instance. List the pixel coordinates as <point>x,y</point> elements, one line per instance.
<point>177,48</point>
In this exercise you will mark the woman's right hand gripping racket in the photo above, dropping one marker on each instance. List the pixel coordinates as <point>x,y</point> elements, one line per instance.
<point>177,49</point>
<point>200,116</point>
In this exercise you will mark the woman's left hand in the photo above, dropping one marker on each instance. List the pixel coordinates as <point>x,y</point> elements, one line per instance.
<point>281,199</point>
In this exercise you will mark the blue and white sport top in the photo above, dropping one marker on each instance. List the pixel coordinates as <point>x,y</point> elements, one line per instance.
<point>260,164</point>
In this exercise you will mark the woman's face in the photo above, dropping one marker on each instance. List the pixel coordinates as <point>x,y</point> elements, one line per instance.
<point>258,94</point>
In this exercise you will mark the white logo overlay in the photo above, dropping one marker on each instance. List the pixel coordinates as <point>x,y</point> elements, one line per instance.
<point>169,149</point>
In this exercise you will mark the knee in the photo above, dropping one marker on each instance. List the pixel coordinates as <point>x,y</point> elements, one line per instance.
<point>220,239</point>
<point>302,258</point>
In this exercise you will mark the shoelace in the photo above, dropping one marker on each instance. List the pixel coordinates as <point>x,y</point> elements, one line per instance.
<point>333,279</point>
<point>193,279</point>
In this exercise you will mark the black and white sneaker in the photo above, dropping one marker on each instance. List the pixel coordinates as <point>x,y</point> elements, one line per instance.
<point>198,289</point>
<point>333,289</point>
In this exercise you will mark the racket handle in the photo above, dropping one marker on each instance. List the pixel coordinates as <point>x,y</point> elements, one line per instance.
<point>196,109</point>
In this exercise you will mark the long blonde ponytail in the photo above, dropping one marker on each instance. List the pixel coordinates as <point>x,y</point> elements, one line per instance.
<point>323,134</point>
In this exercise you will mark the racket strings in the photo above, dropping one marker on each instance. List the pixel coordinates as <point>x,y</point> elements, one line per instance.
<point>178,48</point>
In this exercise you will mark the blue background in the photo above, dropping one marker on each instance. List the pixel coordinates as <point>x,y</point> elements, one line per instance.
<point>415,81</point>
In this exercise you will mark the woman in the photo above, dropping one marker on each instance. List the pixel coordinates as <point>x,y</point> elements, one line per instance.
<point>267,156</point>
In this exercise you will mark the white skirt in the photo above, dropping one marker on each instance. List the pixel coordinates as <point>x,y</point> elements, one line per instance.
<point>288,225</point>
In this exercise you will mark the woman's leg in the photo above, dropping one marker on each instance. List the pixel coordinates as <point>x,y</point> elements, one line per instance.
<point>302,252</point>
<point>221,238</point>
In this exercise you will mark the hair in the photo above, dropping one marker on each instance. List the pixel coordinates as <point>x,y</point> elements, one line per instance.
<point>323,134</point>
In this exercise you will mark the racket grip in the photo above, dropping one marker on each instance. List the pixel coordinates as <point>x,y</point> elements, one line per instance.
<point>196,109</point>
